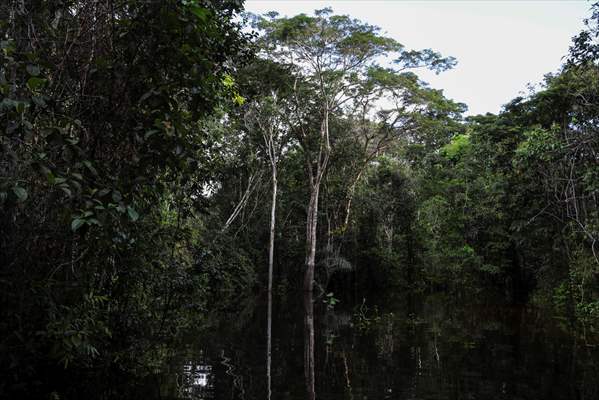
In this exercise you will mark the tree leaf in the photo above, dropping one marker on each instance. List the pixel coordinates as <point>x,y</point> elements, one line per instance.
<point>132,213</point>
<point>150,133</point>
<point>89,166</point>
<point>116,196</point>
<point>39,101</point>
<point>20,106</point>
<point>199,12</point>
<point>77,223</point>
<point>33,70</point>
<point>66,189</point>
<point>20,193</point>
<point>35,83</point>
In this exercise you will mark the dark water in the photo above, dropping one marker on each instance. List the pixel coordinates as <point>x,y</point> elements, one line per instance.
<point>430,347</point>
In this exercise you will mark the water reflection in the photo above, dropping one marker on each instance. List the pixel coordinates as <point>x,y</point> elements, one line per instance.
<point>195,381</point>
<point>427,348</point>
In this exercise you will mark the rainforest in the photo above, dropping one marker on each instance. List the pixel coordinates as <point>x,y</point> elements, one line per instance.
<point>197,202</point>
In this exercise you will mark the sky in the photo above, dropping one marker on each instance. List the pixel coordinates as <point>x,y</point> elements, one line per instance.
<point>500,46</point>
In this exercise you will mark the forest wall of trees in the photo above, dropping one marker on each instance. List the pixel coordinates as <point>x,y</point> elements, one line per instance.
<point>135,179</point>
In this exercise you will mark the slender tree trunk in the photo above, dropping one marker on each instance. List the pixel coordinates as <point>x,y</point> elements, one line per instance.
<point>347,379</point>
<point>312,220</point>
<point>309,345</point>
<point>271,248</point>
<point>311,224</point>
<point>350,196</point>
<point>253,182</point>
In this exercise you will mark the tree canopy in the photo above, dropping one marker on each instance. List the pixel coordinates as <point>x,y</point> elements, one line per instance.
<point>164,162</point>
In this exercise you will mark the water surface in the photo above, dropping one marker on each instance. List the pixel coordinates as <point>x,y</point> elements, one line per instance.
<point>425,347</point>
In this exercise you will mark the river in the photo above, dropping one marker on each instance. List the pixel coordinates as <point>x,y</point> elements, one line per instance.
<point>432,347</point>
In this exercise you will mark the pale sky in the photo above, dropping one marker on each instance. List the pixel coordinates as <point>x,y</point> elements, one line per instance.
<point>500,46</point>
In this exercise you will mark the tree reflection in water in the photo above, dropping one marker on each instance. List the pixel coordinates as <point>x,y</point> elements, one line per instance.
<point>434,349</point>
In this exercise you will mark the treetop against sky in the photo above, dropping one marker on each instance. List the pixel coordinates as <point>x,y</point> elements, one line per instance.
<point>501,46</point>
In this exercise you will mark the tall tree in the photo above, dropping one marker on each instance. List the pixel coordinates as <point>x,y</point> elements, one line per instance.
<point>266,117</point>
<point>331,57</point>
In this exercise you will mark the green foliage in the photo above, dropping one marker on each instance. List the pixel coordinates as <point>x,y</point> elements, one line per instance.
<point>539,144</point>
<point>330,300</point>
<point>97,136</point>
<point>364,318</point>
<point>458,146</point>
<point>133,189</point>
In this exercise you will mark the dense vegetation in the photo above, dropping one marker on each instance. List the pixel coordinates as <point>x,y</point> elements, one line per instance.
<point>153,152</point>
